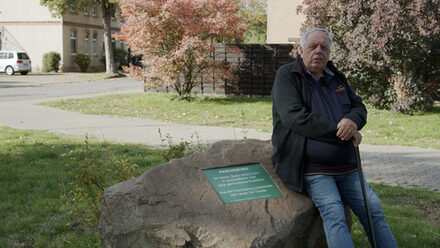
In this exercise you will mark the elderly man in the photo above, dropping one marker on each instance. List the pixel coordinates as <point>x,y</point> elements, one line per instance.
<point>316,119</point>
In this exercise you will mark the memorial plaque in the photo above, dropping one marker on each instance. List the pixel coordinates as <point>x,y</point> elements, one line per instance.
<point>242,183</point>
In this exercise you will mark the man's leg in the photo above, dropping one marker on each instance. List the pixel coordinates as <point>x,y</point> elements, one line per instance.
<point>324,193</point>
<point>350,189</point>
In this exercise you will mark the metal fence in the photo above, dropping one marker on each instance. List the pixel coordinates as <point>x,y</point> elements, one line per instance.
<point>256,67</point>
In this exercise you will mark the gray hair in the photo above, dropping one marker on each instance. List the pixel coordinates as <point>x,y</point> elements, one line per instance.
<point>303,39</point>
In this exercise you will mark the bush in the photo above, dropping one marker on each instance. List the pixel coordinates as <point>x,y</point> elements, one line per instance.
<point>83,62</point>
<point>119,57</point>
<point>83,197</point>
<point>183,148</point>
<point>51,61</point>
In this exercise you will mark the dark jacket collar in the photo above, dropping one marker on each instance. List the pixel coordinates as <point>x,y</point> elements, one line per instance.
<point>299,66</point>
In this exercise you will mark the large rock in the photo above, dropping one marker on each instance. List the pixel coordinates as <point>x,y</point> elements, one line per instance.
<point>174,205</point>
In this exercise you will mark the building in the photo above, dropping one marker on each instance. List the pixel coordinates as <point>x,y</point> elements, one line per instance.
<point>283,23</point>
<point>27,26</point>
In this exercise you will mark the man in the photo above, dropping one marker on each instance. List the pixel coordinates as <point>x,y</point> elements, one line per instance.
<point>317,118</point>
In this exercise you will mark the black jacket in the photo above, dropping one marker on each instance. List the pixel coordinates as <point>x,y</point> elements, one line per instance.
<point>293,120</point>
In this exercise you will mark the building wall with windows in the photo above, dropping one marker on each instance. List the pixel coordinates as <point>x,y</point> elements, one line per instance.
<point>27,26</point>
<point>283,23</point>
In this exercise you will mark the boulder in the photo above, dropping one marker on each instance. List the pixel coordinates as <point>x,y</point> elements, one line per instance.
<point>174,205</point>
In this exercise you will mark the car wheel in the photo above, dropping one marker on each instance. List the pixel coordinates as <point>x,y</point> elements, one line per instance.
<point>9,70</point>
<point>23,72</point>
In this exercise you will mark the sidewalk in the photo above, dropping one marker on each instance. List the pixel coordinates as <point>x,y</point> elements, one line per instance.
<point>30,115</point>
<point>36,79</point>
<point>393,165</point>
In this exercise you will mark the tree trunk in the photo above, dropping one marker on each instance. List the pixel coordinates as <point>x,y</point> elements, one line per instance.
<point>107,9</point>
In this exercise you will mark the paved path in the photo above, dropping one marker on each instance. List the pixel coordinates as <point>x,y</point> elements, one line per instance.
<point>402,166</point>
<point>30,115</point>
<point>393,165</point>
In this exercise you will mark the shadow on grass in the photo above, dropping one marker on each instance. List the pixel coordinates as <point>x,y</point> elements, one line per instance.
<point>229,100</point>
<point>435,109</point>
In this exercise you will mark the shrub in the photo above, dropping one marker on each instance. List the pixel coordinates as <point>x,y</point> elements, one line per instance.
<point>51,61</point>
<point>92,176</point>
<point>177,38</point>
<point>389,50</point>
<point>183,148</point>
<point>119,56</point>
<point>95,170</point>
<point>83,62</point>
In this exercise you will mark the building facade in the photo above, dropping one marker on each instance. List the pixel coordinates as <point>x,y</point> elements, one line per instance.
<point>27,26</point>
<point>283,23</point>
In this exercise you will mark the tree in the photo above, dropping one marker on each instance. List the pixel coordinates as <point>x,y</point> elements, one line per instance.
<point>175,38</point>
<point>254,14</point>
<point>390,50</point>
<point>61,7</point>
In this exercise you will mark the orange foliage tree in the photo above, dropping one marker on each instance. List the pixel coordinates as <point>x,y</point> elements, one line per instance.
<point>176,37</point>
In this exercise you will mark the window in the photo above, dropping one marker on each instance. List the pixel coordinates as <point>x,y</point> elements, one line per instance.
<point>94,44</point>
<point>86,11</point>
<point>0,40</point>
<point>93,11</point>
<point>103,48</point>
<point>73,42</point>
<point>119,14</point>
<point>10,56</point>
<point>72,8</point>
<point>113,43</point>
<point>113,13</point>
<point>3,55</point>
<point>86,43</point>
<point>22,56</point>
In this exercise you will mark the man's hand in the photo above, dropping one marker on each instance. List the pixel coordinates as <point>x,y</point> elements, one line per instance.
<point>357,139</point>
<point>346,129</point>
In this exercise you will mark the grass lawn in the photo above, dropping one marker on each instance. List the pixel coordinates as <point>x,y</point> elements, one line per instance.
<point>420,129</point>
<point>33,169</point>
<point>413,216</point>
<point>33,166</point>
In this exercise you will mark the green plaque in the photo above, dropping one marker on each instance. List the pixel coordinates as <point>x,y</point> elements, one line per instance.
<point>242,183</point>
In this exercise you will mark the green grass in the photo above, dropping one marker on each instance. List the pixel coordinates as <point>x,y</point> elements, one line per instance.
<point>413,216</point>
<point>211,111</point>
<point>33,166</point>
<point>420,129</point>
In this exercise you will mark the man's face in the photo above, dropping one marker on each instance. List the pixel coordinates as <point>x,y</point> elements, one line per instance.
<point>315,52</point>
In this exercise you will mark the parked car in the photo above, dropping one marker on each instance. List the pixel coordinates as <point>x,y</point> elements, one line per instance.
<point>15,61</point>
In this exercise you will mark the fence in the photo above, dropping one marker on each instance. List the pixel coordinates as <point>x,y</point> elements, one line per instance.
<point>256,67</point>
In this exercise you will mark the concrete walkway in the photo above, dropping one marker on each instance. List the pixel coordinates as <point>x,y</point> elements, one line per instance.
<point>393,165</point>
<point>30,115</point>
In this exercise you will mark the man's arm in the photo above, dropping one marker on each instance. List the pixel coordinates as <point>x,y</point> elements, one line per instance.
<point>353,121</point>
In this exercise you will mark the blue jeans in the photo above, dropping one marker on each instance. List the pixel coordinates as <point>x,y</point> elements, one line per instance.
<point>328,194</point>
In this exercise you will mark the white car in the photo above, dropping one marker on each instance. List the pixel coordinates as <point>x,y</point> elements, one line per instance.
<point>15,61</point>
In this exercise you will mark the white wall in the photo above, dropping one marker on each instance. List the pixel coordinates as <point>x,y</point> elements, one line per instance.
<point>283,23</point>
<point>27,26</point>
<point>36,40</point>
<point>24,10</point>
